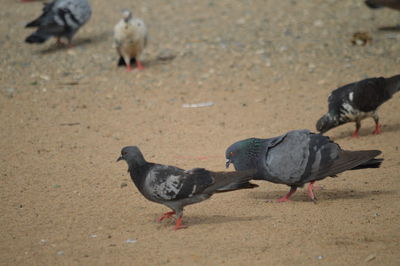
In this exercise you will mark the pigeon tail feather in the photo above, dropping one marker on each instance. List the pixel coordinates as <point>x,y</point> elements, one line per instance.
<point>236,186</point>
<point>393,84</point>
<point>36,38</point>
<point>33,24</point>
<point>373,163</point>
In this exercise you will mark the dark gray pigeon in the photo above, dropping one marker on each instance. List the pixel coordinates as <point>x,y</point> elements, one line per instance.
<point>175,187</point>
<point>395,4</point>
<point>61,19</point>
<point>357,101</point>
<point>296,158</point>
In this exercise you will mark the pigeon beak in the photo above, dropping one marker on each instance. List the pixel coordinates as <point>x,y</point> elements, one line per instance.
<point>119,158</point>
<point>228,162</point>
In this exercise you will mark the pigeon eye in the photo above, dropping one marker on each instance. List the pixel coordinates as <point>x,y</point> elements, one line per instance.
<point>124,153</point>
<point>231,154</point>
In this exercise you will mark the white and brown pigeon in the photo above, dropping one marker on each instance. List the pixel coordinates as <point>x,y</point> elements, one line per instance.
<point>175,187</point>
<point>357,101</point>
<point>60,19</point>
<point>296,158</point>
<point>130,38</point>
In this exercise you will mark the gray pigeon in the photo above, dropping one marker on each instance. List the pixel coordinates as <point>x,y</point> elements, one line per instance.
<point>357,101</point>
<point>175,187</point>
<point>61,19</point>
<point>296,158</point>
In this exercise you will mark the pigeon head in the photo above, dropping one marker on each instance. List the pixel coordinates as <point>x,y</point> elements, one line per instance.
<point>126,15</point>
<point>325,123</point>
<point>133,156</point>
<point>239,154</point>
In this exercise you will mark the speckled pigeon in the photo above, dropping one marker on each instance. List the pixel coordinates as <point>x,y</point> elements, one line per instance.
<point>61,19</point>
<point>296,158</point>
<point>130,38</point>
<point>175,187</point>
<point>357,101</point>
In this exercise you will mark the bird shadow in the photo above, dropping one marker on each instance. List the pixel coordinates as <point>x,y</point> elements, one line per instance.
<point>214,219</point>
<point>156,61</point>
<point>77,42</point>
<point>149,63</point>
<point>395,28</point>
<point>325,194</point>
<point>222,219</point>
<point>366,131</point>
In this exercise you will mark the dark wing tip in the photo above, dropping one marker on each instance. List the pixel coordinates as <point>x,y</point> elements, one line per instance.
<point>236,186</point>
<point>35,38</point>
<point>372,5</point>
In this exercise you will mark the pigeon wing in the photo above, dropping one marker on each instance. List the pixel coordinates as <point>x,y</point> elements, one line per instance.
<point>165,183</point>
<point>44,17</point>
<point>369,94</point>
<point>326,158</point>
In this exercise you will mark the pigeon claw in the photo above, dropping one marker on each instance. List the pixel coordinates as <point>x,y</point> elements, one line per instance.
<point>377,129</point>
<point>311,192</point>
<point>139,65</point>
<point>283,199</point>
<point>288,195</point>
<point>179,224</point>
<point>355,134</point>
<point>165,216</point>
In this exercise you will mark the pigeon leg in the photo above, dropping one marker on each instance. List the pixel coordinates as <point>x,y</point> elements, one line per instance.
<point>166,215</point>
<point>355,133</point>
<point>377,129</point>
<point>128,67</point>
<point>287,196</point>
<point>59,42</point>
<point>377,125</point>
<point>311,192</point>
<point>178,224</point>
<point>139,65</point>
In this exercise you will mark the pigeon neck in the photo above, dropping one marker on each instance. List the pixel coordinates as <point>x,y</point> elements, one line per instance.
<point>255,147</point>
<point>138,173</point>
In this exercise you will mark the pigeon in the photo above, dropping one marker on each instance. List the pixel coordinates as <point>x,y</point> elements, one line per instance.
<point>395,4</point>
<point>61,19</point>
<point>357,101</point>
<point>296,158</point>
<point>130,38</point>
<point>175,187</point>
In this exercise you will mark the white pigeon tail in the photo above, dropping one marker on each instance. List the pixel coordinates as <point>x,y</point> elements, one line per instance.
<point>130,39</point>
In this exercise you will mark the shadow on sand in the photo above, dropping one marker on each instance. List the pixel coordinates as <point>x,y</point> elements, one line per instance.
<point>364,132</point>
<point>77,42</point>
<point>323,194</point>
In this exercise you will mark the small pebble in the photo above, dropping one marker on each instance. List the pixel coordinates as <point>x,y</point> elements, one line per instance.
<point>320,257</point>
<point>10,92</point>
<point>60,252</point>
<point>130,241</point>
<point>370,257</point>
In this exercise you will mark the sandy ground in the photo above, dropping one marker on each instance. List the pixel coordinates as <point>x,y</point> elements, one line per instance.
<point>268,67</point>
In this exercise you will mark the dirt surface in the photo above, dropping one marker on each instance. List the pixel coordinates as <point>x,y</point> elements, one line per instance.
<point>268,67</point>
